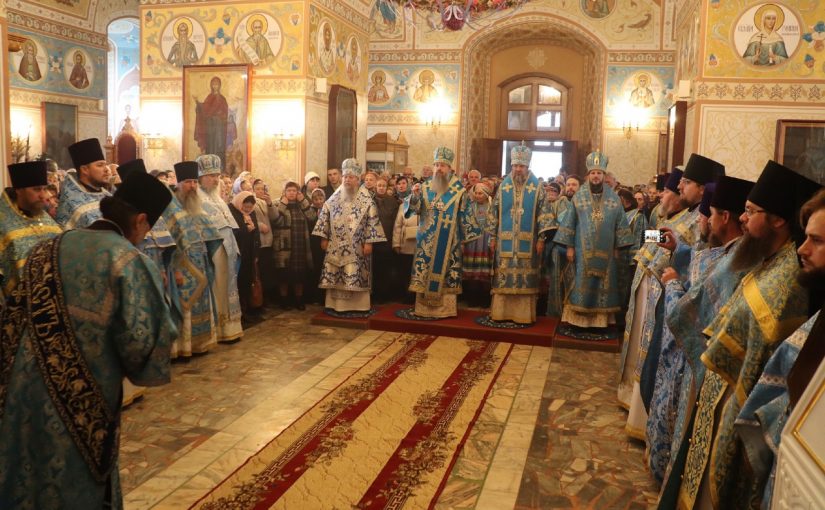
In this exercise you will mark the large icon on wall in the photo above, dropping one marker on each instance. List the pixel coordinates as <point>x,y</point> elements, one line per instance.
<point>426,86</point>
<point>215,114</point>
<point>31,61</point>
<point>800,144</point>
<point>59,131</point>
<point>258,39</point>
<point>78,68</point>
<point>766,34</point>
<point>597,8</point>
<point>326,47</point>
<point>183,41</point>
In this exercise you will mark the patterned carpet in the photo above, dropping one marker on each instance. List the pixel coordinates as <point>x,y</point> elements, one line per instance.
<point>387,437</point>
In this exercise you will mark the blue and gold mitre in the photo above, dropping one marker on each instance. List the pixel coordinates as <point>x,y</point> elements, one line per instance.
<point>444,155</point>
<point>208,164</point>
<point>351,166</point>
<point>520,155</point>
<point>596,160</point>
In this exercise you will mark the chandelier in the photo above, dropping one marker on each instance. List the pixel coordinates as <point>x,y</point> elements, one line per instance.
<point>453,14</point>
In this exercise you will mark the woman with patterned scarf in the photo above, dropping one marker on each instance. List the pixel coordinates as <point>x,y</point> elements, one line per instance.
<point>293,256</point>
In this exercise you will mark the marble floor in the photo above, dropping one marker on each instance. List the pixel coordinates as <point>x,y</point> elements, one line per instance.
<point>550,434</point>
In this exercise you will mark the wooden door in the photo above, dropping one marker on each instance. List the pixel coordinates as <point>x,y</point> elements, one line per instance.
<point>486,155</point>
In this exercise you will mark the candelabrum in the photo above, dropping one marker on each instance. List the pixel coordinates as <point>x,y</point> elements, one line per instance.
<point>20,148</point>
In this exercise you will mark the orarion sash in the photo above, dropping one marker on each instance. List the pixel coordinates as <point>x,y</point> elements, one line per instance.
<point>445,220</point>
<point>73,389</point>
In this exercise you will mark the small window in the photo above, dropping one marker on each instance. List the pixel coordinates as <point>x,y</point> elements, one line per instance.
<point>518,120</point>
<point>534,107</point>
<point>521,95</point>
<point>549,95</point>
<point>548,121</point>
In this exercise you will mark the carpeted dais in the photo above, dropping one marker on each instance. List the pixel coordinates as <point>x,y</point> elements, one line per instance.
<point>385,438</point>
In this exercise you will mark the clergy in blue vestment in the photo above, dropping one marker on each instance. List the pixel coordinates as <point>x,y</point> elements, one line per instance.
<point>720,228</point>
<point>81,192</point>
<point>682,233</point>
<point>445,223</point>
<point>555,255</point>
<point>24,221</point>
<point>518,221</point>
<point>594,229</point>
<point>89,310</point>
<point>227,261</point>
<point>766,307</point>
<point>191,268</point>
<point>763,416</point>
<point>349,225</point>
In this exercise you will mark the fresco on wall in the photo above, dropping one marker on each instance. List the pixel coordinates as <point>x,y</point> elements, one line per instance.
<point>648,88</point>
<point>258,39</point>
<point>78,69</point>
<point>238,33</point>
<point>405,87</point>
<point>766,34</point>
<point>58,66</point>
<point>79,8</point>
<point>182,41</point>
<point>597,8</point>
<point>765,40</point>
<point>387,21</point>
<point>688,35</point>
<point>337,51</point>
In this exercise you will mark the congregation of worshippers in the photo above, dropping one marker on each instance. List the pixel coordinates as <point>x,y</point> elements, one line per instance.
<point>713,284</point>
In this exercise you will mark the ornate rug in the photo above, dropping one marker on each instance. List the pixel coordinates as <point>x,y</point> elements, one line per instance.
<point>592,334</point>
<point>409,314</point>
<point>387,437</point>
<point>349,315</point>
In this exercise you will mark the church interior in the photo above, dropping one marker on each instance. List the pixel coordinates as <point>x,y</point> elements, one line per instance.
<point>310,83</point>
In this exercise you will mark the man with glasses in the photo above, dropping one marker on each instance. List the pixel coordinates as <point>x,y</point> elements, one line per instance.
<point>766,307</point>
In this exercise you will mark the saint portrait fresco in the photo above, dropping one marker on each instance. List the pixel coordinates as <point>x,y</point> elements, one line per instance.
<point>353,59</point>
<point>597,8</point>
<point>378,93</point>
<point>183,42</point>
<point>32,64</point>
<point>642,96</point>
<point>325,47</point>
<point>78,69</point>
<point>425,89</point>
<point>258,39</point>
<point>766,35</point>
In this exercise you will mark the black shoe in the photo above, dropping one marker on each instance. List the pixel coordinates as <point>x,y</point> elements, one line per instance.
<point>300,306</point>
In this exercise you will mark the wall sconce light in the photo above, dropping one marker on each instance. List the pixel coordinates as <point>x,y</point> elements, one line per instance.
<point>285,142</point>
<point>628,126</point>
<point>632,117</point>
<point>154,141</point>
<point>434,112</point>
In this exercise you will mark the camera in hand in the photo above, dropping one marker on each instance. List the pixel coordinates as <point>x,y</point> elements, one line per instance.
<point>655,236</point>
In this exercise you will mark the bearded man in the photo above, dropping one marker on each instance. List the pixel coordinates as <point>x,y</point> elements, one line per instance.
<point>445,223</point>
<point>766,307</point>
<point>594,229</point>
<point>518,222</point>
<point>348,224</point>
<point>23,219</point>
<point>226,260</point>
<point>81,193</point>
<point>789,372</point>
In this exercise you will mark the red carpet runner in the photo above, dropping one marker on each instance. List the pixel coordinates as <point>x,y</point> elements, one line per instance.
<point>385,438</point>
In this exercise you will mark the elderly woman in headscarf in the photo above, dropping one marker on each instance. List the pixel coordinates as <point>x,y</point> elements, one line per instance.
<point>293,256</point>
<point>313,293</point>
<point>242,183</point>
<point>248,237</point>
<point>478,259</point>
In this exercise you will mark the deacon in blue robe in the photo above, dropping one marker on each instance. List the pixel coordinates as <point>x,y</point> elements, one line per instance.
<point>90,310</point>
<point>518,222</point>
<point>23,219</point>
<point>555,262</point>
<point>594,230</point>
<point>82,191</point>
<point>445,223</point>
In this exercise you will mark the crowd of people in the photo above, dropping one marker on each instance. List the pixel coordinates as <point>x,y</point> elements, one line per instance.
<point>109,271</point>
